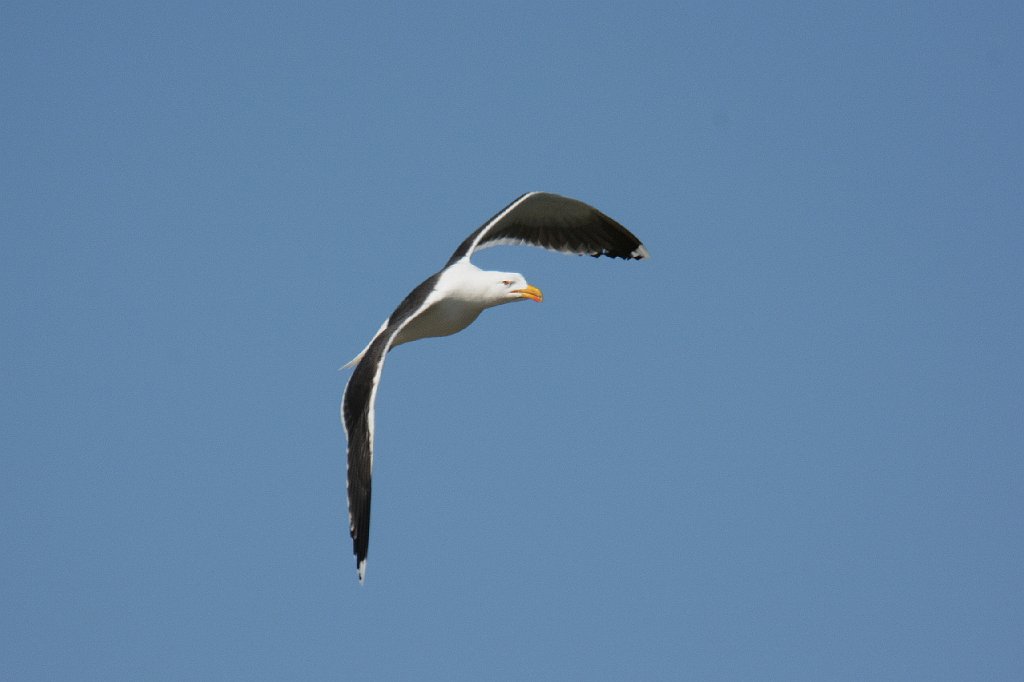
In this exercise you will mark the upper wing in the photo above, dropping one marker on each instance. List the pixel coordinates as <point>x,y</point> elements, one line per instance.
<point>557,223</point>
<point>357,416</point>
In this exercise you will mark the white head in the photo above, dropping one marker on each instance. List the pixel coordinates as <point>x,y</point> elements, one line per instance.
<point>486,288</point>
<point>505,287</point>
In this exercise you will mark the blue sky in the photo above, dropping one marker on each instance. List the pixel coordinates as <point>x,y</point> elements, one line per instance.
<point>788,446</point>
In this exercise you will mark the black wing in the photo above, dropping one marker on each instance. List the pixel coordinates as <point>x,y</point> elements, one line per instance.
<point>554,222</point>
<point>357,409</point>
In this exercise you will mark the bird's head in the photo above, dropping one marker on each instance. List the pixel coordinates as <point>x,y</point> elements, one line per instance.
<point>486,288</point>
<point>511,286</point>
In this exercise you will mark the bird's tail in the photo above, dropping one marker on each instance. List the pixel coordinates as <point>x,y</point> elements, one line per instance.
<point>355,361</point>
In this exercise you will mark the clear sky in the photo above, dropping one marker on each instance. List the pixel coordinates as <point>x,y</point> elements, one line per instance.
<point>788,446</point>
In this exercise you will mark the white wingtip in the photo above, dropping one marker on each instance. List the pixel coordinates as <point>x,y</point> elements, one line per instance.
<point>362,571</point>
<point>641,253</point>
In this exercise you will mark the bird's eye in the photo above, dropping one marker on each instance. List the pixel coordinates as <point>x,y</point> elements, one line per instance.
<point>507,282</point>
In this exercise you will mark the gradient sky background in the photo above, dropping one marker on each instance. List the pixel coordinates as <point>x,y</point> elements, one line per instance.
<point>789,446</point>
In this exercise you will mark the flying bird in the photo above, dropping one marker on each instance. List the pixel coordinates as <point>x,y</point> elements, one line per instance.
<point>448,302</point>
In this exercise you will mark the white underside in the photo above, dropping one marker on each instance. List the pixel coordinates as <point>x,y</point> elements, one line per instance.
<point>444,318</point>
<point>448,310</point>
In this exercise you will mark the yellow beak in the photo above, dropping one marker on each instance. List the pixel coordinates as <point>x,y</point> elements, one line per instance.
<point>532,293</point>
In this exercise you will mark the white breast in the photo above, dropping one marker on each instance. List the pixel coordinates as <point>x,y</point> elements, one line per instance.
<point>444,318</point>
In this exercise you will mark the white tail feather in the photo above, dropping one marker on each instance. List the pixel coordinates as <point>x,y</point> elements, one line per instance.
<point>355,361</point>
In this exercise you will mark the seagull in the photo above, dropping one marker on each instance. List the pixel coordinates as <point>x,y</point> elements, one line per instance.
<point>450,300</point>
